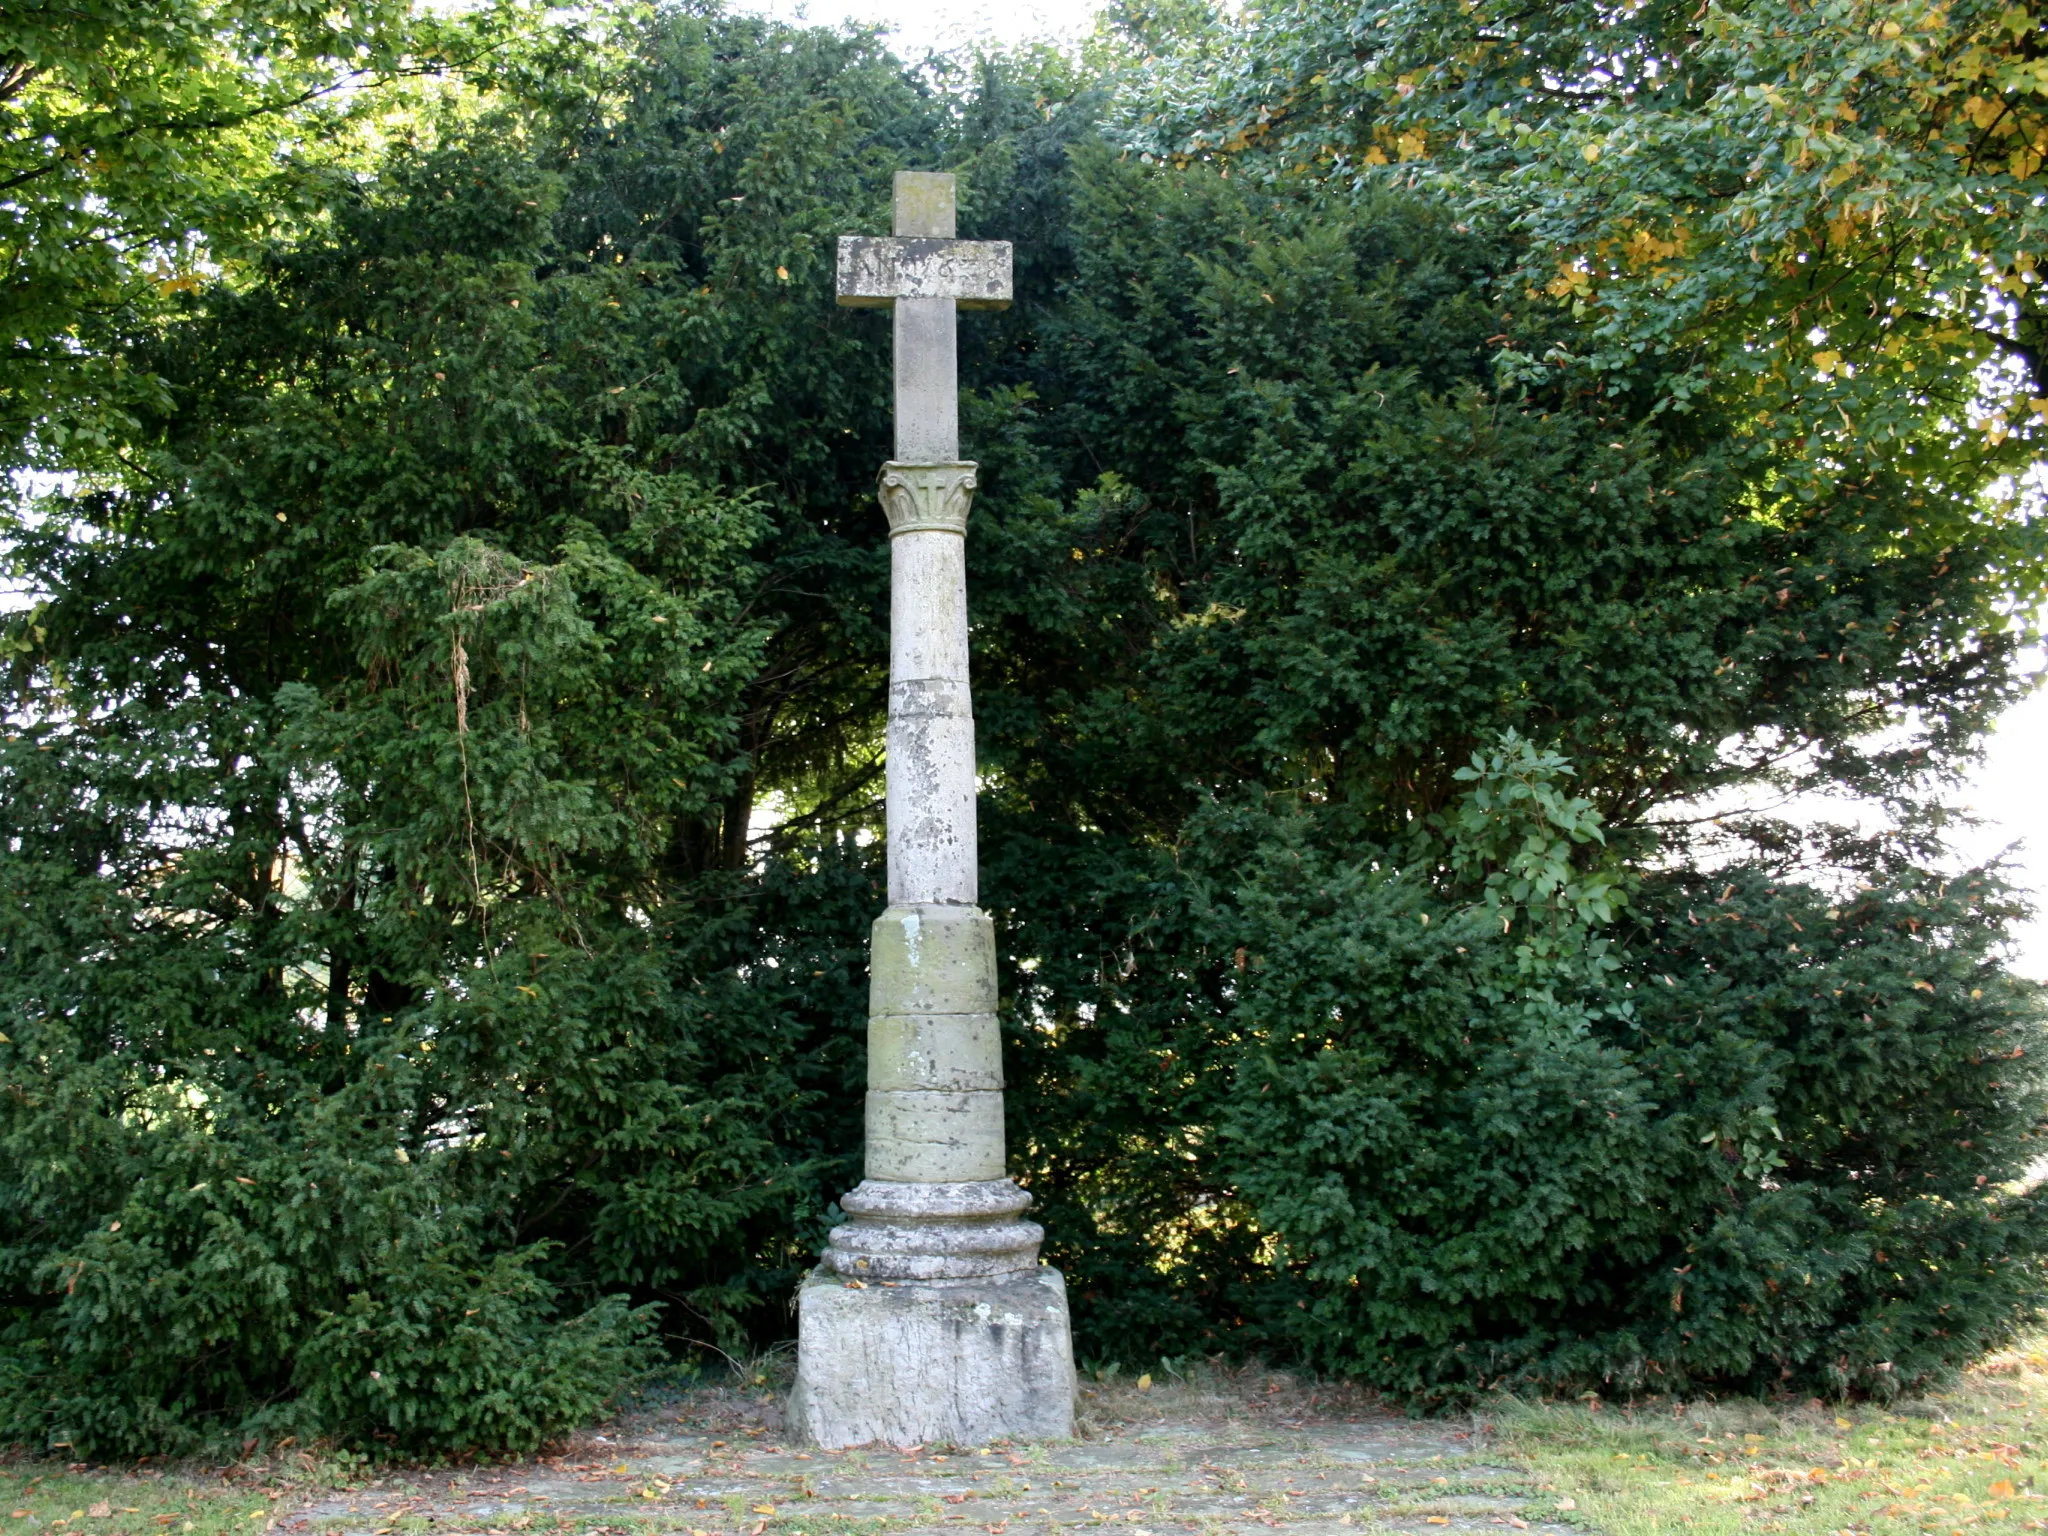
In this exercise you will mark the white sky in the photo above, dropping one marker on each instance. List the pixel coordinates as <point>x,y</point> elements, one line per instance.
<point>2011,793</point>
<point>918,26</point>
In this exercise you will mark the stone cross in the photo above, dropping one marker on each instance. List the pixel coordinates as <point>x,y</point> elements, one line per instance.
<point>930,1317</point>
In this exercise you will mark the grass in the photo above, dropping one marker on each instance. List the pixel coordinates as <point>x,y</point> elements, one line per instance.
<point>42,1498</point>
<point>1968,1461</point>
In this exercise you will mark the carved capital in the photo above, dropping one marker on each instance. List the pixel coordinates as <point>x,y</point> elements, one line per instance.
<point>927,498</point>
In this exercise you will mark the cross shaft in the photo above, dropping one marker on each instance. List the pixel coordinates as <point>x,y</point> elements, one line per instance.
<point>964,1334</point>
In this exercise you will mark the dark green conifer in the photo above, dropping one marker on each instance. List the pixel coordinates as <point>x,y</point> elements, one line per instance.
<point>439,798</point>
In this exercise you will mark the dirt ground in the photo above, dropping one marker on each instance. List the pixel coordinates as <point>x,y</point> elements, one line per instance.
<point>1223,1453</point>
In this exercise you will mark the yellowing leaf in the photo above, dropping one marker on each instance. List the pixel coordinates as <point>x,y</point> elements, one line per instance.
<point>782,273</point>
<point>1570,280</point>
<point>764,1509</point>
<point>1145,1382</point>
<point>1590,153</point>
<point>2003,1489</point>
<point>1827,362</point>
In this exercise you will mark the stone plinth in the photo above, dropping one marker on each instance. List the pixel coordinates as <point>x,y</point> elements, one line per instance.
<point>906,1363</point>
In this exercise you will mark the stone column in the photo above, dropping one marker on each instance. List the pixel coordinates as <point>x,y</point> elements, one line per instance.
<point>930,1317</point>
<point>936,1203</point>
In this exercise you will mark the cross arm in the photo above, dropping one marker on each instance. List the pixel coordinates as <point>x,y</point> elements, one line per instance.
<point>876,271</point>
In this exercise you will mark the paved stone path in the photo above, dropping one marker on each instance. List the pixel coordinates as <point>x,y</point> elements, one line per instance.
<point>721,1469</point>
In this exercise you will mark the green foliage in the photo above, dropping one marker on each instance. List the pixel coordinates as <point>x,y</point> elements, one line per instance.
<point>146,142</point>
<point>1825,218</point>
<point>444,765</point>
<point>383,756</point>
<point>507,1374</point>
<point>1520,837</point>
<point>1341,1039</point>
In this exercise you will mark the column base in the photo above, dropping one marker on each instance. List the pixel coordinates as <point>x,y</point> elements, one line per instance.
<point>917,1363</point>
<point>934,1232</point>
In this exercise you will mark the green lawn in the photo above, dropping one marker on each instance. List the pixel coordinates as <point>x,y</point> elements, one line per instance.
<point>46,1499</point>
<point>1965,1461</point>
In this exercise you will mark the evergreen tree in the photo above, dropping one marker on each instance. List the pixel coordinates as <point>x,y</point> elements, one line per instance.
<point>444,770</point>
<point>382,1013</point>
<point>1378,1008</point>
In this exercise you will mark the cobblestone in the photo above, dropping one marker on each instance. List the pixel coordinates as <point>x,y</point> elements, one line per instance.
<point>1235,1456</point>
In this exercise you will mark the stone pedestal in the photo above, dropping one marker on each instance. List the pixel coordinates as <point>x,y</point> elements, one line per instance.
<point>963,1363</point>
<point>930,1318</point>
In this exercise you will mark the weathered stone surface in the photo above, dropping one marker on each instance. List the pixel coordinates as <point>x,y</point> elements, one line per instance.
<point>927,498</point>
<point>931,958</point>
<point>926,277</point>
<point>934,1137</point>
<point>934,1231</point>
<point>877,270</point>
<point>915,1364</point>
<point>885,1201</point>
<point>943,1052</point>
<point>927,381</point>
<point>934,1251</point>
<point>932,849</point>
<point>925,203</point>
<point>944,1326</point>
<point>927,645</point>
